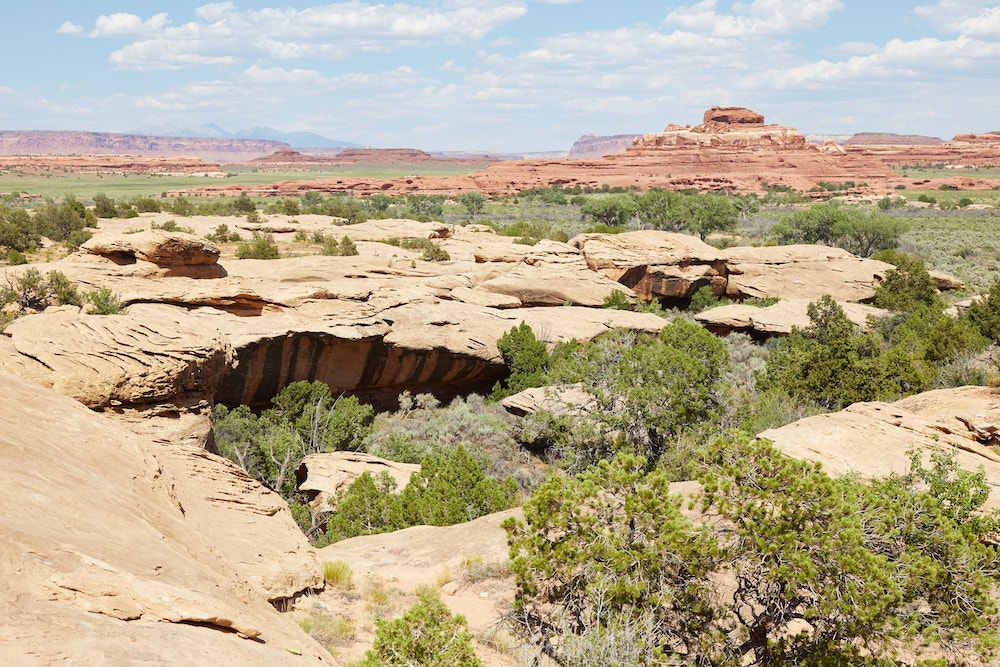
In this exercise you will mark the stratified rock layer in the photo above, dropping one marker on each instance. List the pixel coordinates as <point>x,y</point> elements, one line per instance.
<point>372,325</point>
<point>872,439</point>
<point>108,556</point>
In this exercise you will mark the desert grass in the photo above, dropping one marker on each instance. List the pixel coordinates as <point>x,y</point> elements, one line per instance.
<point>476,568</point>
<point>379,599</point>
<point>338,574</point>
<point>330,631</point>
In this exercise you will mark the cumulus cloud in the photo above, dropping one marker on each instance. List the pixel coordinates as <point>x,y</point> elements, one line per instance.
<point>69,28</point>
<point>223,32</point>
<point>959,16</point>
<point>121,24</point>
<point>760,17</point>
<point>898,61</point>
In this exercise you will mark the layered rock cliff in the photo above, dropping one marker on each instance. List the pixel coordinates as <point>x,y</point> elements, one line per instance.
<point>43,142</point>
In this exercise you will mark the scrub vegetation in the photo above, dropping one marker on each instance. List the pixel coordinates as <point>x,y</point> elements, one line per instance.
<point>769,561</point>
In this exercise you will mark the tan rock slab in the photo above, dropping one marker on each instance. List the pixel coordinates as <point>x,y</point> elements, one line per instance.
<point>328,474</point>
<point>101,558</point>
<point>777,319</point>
<point>872,439</point>
<point>801,272</point>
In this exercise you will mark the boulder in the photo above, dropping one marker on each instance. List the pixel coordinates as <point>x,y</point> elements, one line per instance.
<point>801,272</point>
<point>105,559</point>
<point>557,400</point>
<point>395,228</point>
<point>322,476</point>
<point>655,264</point>
<point>945,283</point>
<point>872,439</point>
<point>155,246</point>
<point>777,319</point>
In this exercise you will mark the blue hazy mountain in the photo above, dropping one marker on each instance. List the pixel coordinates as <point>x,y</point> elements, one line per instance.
<point>213,131</point>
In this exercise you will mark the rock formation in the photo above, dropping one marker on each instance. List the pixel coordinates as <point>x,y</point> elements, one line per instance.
<point>44,142</point>
<point>671,267</point>
<point>733,150</point>
<point>592,145</point>
<point>776,320</point>
<point>373,325</point>
<point>801,272</point>
<point>872,439</point>
<point>112,552</point>
<point>113,164</point>
<point>889,139</point>
<point>287,157</point>
<point>322,476</point>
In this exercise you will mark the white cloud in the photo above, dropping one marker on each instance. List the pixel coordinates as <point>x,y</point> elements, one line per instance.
<point>760,17</point>
<point>119,25</point>
<point>69,28</point>
<point>950,16</point>
<point>223,33</point>
<point>898,62</point>
<point>215,11</point>
<point>986,24</point>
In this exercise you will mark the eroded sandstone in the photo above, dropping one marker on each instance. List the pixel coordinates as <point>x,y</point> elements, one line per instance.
<point>107,553</point>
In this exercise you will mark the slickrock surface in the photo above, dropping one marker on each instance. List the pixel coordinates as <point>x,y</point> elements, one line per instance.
<point>872,439</point>
<point>776,320</point>
<point>203,327</point>
<point>801,272</point>
<point>323,476</point>
<point>108,555</point>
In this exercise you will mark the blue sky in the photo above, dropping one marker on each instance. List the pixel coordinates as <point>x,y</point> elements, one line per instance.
<point>500,75</point>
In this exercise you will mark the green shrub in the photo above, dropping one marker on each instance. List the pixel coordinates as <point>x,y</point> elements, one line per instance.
<point>426,635</point>
<point>223,235</point>
<point>473,202</point>
<point>304,419</point>
<point>104,302</point>
<point>27,291</point>
<point>835,364</point>
<point>984,313</point>
<point>453,488</point>
<point>450,488</point>
<point>908,286</point>
<point>147,205</point>
<point>104,206</point>
<point>703,299</point>
<point>345,248</point>
<point>643,392</point>
<point>68,220</point>
<point>171,226</point>
<point>609,556</point>
<point>369,506</point>
<point>15,257</point>
<point>63,290</point>
<point>526,359</point>
<point>617,301</point>
<point>435,253</point>
<point>262,246</point>
<point>18,230</point>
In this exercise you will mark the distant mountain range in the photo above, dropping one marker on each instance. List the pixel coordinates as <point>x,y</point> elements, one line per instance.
<point>213,131</point>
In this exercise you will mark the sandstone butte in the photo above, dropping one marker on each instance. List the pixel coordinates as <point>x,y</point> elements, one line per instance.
<point>126,536</point>
<point>732,150</point>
